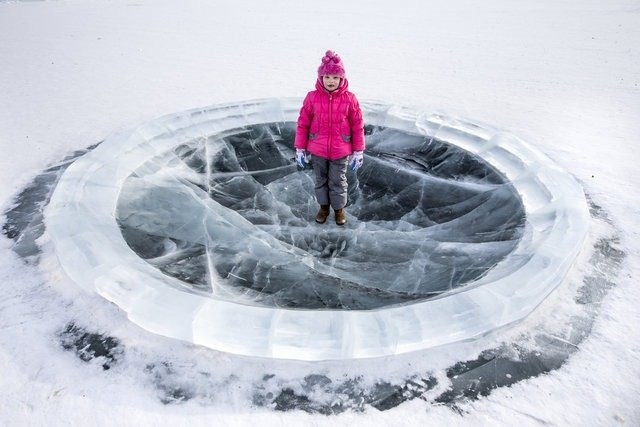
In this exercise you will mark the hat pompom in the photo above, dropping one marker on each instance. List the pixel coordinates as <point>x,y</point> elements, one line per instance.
<point>331,64</point>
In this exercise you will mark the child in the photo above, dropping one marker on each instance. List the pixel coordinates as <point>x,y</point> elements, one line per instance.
<point>330,127</point>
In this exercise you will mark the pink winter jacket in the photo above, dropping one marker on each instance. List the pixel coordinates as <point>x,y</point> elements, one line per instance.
<point>330,123</point>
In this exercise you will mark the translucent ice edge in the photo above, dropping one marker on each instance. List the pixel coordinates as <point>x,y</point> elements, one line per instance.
<point>91,249</point>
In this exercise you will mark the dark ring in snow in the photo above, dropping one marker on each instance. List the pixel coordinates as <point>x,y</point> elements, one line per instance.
<point>89,244</point>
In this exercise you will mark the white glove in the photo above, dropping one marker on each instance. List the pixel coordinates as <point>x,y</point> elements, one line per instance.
<point>302,158</point>
<point>357,159</point>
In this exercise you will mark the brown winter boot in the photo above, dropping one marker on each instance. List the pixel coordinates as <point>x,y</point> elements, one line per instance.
<point>322,214</point>
<point>341,217</point>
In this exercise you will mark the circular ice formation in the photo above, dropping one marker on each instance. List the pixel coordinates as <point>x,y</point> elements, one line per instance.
<point>81,220</point>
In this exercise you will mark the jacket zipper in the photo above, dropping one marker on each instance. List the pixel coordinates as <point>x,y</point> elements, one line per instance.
<point>330,122</point>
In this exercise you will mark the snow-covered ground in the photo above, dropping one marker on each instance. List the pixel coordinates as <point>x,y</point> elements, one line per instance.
<point>564,76</point>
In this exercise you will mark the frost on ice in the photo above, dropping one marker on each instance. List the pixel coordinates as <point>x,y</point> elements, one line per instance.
<point>200,226</point>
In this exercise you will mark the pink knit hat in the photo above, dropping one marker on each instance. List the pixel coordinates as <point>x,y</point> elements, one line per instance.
<point>331,64</point>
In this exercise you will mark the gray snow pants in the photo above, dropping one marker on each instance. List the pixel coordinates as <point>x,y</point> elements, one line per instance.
<point>331,181</point>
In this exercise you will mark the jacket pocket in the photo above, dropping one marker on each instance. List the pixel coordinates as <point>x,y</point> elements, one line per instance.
<point>312,136</point>
<point>314,128</point>
<point>345,130</point>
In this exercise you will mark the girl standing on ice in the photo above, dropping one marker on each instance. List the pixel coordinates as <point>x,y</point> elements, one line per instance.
<point>330,127</point>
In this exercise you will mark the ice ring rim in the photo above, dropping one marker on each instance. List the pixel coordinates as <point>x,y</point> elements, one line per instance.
<point>555,208</point>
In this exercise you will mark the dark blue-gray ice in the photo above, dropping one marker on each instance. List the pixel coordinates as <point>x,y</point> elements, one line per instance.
<point>422,222</point>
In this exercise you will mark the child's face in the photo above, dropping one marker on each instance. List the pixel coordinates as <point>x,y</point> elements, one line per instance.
<point>331,82</point>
